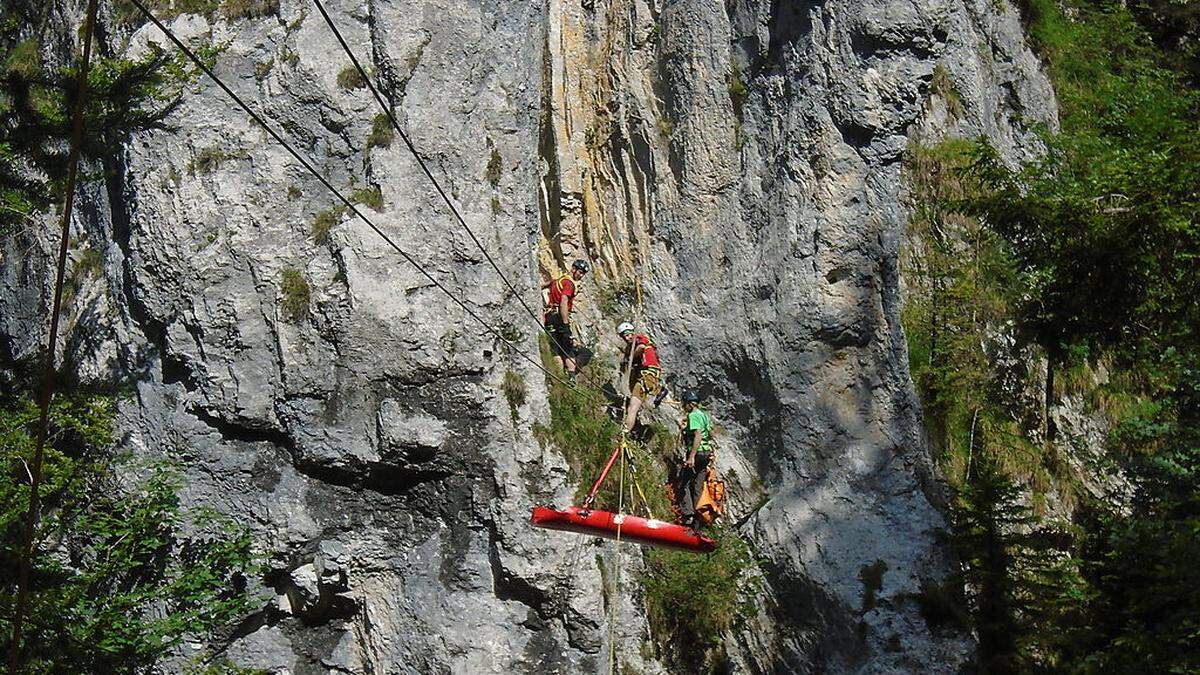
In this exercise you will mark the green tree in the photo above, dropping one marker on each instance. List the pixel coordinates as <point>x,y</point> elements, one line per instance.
<point>1025,587</point>
<point>121,572</point>
<point>35,113</point>
<point>1101,234</point>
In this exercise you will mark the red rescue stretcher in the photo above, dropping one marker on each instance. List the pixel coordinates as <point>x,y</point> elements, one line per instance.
<point>645,531</point>
<point>620,526</point>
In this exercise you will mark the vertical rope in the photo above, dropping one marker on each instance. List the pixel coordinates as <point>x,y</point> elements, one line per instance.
<point>47,392</point>
<point>615,599</point>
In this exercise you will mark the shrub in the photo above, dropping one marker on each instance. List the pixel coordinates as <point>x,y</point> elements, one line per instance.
<point>692,600</point>
<point>132,572</point>
<point>296,294</point>
<point>24,59</point>
<point>382,132</point>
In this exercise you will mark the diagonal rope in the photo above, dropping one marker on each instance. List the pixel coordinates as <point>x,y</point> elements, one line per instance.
<point>47,393</point>
<point>341,197</point>
<point>387,110</point>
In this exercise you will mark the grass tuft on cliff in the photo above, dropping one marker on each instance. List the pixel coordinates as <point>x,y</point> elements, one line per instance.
<point>296,294</point>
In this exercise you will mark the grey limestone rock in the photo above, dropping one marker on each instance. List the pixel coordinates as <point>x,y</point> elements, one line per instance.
<point>741,159</point>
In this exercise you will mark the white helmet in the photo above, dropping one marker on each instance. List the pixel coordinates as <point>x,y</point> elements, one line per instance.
<point>624,327</point>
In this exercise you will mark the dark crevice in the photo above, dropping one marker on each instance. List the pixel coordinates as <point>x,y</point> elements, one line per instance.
<point>508,586</point>
<point>380,477</point>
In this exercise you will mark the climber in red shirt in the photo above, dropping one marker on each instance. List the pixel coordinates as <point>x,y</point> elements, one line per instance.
<point>645,373</point>
<point>559,303</point>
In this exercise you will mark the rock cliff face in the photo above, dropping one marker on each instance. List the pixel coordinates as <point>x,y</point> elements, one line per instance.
<point>736,163</point>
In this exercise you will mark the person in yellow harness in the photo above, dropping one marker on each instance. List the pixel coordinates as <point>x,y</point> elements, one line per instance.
<point>645,373</point>
<point>560,302</point>
<point>696,435</point>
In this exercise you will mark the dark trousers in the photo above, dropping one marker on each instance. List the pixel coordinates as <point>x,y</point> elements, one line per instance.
<point>691,484</point>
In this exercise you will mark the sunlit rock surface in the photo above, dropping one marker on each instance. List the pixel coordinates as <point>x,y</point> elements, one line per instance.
<point>738,162</point>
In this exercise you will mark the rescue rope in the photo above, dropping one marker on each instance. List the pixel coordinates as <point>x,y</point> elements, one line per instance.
<point>47,393</point>
<point>612,613</point>
<point>351,206</point>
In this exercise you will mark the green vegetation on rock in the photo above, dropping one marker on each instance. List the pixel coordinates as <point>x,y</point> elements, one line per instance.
<point>296,294</point>
<point>1082,259</point>
<point>324,222</point>
<point>122,572</point>
<point>693,600</point>
<point>370,195</point>
<point>349,78</point>
<point>382,133</point>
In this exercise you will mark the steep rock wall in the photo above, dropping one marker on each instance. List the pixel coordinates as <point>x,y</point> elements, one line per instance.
<point>742,161</point>
<point>366,443</point>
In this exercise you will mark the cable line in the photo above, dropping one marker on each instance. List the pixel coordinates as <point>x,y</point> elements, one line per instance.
<point>387,110</point>
<point>346,202</point>
<point>47,393</point>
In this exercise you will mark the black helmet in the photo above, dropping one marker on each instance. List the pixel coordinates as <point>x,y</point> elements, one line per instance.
<point>691,396</point>
<point>580,265</point>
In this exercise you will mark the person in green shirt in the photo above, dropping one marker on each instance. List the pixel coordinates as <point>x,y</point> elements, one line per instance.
<point>696,435</point>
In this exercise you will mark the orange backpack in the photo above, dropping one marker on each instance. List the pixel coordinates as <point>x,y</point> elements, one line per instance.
<point>711,503</point>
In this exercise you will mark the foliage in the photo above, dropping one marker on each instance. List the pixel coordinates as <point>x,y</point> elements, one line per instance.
<point>35,115</point>
<point>122,573</point>
<point>494,169</point>
<point>738,92</point>
<point>587,437</point>
<point>382,134</point>
<point>371,195</point>
<point>324,222</point>
<point>129,16</point>
<point>263,68</point>
<point>349,78</point>
<point>1104,226</point>
<point>1087,254</point>
<point>692,600</point>
<point>1025,589</point>
<point>665,127</point>
<point>618,297</point>
<point>960,280</point>
<point>942,85</point>
<point>583,432</point>
<point>210,159</point>
<point>514,391</point>
<point>296,294</point>
<point>234,10</point>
